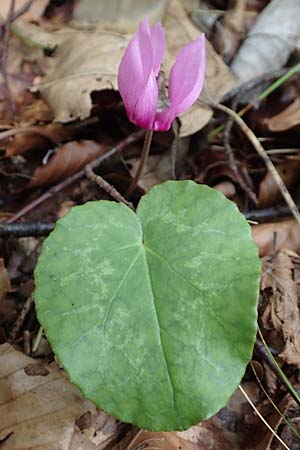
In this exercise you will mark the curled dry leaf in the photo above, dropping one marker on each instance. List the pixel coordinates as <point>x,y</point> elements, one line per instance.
<point>271,237</point>
<point>68,159</point>
<point>269,193</point>
<point>45,411</point>
<point>270,41</point>
<point>286,119</point>
<point>4,280</point>
<point>282,313</point>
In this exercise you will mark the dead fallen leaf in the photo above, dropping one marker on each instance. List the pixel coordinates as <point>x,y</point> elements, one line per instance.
<point>270,42</point>
<point>37,137</point>
<point>84,63</point>
<point>68,159</point>
<point>158,168</point>
<point>269,193</point>
<point>227,187</point>
<point>118,15</point>
<point>281,313</point>
<point>271,237</point>
<point>218,78</point>
<point>286,119</point>
<point>141,439</point>
<point>274,420</point>
<point>40,412</point>
<point>4,280</point>
<point>34,12</point>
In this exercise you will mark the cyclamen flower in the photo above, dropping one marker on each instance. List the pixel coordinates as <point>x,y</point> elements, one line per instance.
<point>139,72</point>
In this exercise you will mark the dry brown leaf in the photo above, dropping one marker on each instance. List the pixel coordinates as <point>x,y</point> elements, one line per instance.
<point>282,312</point>
<point>158,168</point>
<point>218,78</point>
<point>88,61</point>
<point>34,12</point>
<point>269,193</point>
<point>271,237</point>
<point>68,159</point>
<point>41,137</point>
<point>274,420</point>
<point>141,439</point>
<point>124,15</point>
<point>286,119</point>
<point>4,280</point>
<point>45,412</point>
<point>270,41</point>
<point>83,63</point>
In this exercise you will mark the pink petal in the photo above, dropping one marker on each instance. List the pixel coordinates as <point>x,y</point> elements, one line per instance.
<point>187,76</point>
<point>144,110</point>
<point>158,46</point>
<point>135,67</point>
<point>164,119</point>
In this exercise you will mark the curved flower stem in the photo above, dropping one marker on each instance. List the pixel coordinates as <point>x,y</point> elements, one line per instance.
<point>143,160</point>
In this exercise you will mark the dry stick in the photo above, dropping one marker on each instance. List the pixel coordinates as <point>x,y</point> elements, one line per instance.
<point>21,318</point>
<point>103,184</point>
<point>230,154</point>
<point>22,229</point>
<point>5,45</point>
<point>262,418</point>
<point>77,176</point>
<point>35,129</point>
<point>269,213</point>
<point>21,11</point>
<point>264,156</point>
<point>143,160</point>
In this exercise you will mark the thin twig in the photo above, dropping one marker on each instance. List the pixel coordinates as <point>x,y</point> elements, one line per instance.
<point>230,154</point>
<point>77,176</point>
<point>269,213</point>
<point>103,184</point>
<point>143,160</point>
<point>32,130</point>
<point>20,320</point>
<point>264,156</point>
<point>7,92</point>
<point>37,340</point>
<point>21,229</point>
<point>264,351</point>
<point>262,418</point>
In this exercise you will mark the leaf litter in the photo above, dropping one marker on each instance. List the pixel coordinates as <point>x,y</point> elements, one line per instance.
<point>67,81</point>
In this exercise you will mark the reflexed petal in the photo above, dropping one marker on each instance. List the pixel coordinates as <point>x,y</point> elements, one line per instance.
<point>158,46</point>
<point>136,66</point>
<point>143,113</point>
<point>187,75</point>
<point>164,120</point>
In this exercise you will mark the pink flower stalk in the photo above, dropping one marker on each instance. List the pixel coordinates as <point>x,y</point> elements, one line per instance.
<point>138,78</point>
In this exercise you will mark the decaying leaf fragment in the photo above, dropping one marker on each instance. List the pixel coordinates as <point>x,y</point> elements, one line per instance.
<point>282,311</point>
<point>45,411</point>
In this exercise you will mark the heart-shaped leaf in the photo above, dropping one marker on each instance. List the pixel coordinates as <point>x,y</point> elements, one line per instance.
<point>153,314</point>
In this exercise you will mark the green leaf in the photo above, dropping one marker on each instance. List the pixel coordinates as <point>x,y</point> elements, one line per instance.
<point>153,314</point>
